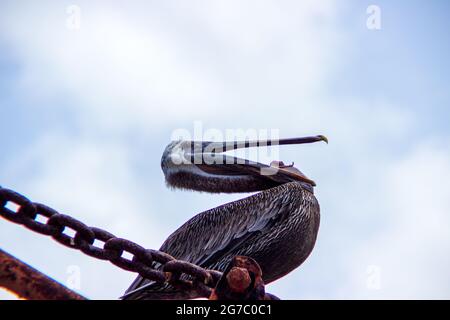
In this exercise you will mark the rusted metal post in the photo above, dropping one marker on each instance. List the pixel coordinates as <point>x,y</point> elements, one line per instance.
<point>241,281</point>
<point>28,283</point>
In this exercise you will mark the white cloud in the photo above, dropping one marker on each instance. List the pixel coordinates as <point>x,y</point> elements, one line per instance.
<point>412,248</point>
<point>93,179</point>
<point>5,295</point>
<point>131,66</point>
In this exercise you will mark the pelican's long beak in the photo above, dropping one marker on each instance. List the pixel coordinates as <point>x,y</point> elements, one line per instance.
<point>217,147</point>
<point>224,165</point>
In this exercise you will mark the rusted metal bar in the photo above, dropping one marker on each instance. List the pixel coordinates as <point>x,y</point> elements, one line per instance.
<point>29,283</point>
<point>241,281</point>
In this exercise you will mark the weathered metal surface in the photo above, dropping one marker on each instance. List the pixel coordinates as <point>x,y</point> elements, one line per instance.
<point>28,283</point>
<point>241,281</point>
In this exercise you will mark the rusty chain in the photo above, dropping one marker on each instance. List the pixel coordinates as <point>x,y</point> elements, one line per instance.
<point>142,261</point>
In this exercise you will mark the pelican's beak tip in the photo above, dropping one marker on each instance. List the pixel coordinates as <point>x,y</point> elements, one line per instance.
<point>323,138</point>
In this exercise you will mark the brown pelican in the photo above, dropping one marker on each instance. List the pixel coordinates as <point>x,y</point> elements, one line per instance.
<point>277,226</point>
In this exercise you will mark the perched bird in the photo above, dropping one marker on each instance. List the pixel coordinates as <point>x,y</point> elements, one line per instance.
<point>277,226</point>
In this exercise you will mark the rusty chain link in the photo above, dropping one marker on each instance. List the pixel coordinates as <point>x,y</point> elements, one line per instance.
<point>142,261</point>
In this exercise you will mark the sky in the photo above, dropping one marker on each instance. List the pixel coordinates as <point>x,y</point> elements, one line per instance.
<point>91,92</point>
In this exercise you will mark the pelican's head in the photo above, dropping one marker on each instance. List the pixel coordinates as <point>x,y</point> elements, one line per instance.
<point>203,166</point>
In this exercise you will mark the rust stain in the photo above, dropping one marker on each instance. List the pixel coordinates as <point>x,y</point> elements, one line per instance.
<point>28,283</point>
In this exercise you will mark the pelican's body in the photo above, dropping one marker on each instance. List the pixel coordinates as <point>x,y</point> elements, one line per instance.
<point>277,227</point>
